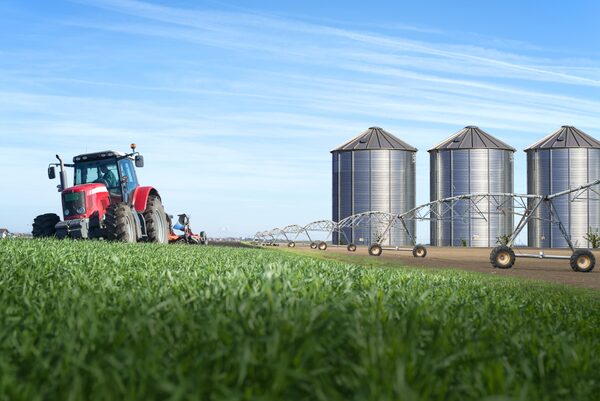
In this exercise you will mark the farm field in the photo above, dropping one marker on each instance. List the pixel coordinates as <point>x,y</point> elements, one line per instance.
<point>105,321</point>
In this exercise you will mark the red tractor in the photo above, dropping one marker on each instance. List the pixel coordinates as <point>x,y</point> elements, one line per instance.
<point>106,201</point>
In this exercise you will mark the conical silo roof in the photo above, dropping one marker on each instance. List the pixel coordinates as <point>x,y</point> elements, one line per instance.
<point>471,137</point>
<point>566,136</point>
<point>372,139</point>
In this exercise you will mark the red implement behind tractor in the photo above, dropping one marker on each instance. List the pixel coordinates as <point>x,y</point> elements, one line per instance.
<point>106,201</point>
<point>187,236</point>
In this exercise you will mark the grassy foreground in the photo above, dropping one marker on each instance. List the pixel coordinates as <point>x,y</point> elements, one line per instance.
<point>102,321</point>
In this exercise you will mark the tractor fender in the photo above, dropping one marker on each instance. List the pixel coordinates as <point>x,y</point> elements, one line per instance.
<point>140,197</point>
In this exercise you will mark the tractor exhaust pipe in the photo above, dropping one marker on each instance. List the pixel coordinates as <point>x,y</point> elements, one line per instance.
<point>63,175</point>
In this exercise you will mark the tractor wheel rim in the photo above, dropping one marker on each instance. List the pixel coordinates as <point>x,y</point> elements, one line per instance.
<point>130,230</point>
<point>503,258</point>
<point>584,262</point>
<point>376,251</point>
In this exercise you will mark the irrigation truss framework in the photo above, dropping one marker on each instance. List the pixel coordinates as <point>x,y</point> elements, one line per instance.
<point>461,207</point>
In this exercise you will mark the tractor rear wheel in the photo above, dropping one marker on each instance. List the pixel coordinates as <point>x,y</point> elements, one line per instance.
<point>43,225</point>
<point>157,226</point>
<point>120,223</point>
<point>583,261</point>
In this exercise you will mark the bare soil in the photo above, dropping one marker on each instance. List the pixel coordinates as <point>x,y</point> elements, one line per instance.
<point>477,260</point>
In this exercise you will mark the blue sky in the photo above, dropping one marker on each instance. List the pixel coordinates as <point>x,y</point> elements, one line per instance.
<point>236,104</point>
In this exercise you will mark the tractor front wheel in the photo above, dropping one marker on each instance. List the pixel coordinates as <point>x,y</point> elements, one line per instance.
<point>43,225</point>
<point>120,223</point>
<point>157,226</point>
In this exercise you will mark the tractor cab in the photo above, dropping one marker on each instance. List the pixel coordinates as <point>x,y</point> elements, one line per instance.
<point>115,170</point>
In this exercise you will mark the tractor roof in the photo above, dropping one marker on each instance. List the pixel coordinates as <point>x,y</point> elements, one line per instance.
<point>106,154</point>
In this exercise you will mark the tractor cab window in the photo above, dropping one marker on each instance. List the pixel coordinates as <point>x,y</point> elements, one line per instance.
<point>127,170</point>
<point>100,171</point>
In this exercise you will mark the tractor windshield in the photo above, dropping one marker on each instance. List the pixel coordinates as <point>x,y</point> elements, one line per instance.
<point>98,171</point>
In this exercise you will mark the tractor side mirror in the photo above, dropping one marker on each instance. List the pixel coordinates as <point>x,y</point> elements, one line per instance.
<point>51,173</point>
<point>139,161</point>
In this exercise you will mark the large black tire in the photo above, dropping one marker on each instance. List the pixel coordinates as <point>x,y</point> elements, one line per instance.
<point>313,245</point>
<point>43,225</point>
<point>375,250</point>
<point>120,223</point>
<point>583,261</point>
<point>322,245</point>
<point>351,248</point>
<point>419,251</point>
<point>502,257</point>
<point>157,226</point>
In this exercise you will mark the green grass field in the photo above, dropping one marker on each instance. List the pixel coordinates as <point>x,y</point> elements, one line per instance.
<point>101,321</point>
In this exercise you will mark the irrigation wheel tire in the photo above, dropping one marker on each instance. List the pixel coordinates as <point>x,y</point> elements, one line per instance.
<point>351,248</point>
<point>157,225</point>
<point>120,223</point>
<point>419,251</point>
<point>375,250</point>
<point>43,225</point>
<point>313,245</point>
<point>583,261</point>
<point>322,245</point>
<point>291,244</point>
<point>502,257</point>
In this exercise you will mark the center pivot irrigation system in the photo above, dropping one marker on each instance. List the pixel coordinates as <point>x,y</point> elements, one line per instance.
<point>527,207</point>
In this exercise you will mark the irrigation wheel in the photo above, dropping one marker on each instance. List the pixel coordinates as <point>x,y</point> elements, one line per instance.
<point>583,261</point>
<point>419,251</point>
<point>375,250</point>
<point>291,244</point>
<point>322,245</point>
<point>313,245</point>
<point>351,248</point>
<point>502,257</point>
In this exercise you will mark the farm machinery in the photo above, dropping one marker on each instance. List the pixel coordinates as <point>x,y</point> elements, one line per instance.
<point>187,236</point>
<point>106,201</point>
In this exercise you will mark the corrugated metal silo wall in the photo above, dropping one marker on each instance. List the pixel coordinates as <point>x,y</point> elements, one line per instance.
<point>373,180</point>
<point>471,171</point>
<point>554,170</point>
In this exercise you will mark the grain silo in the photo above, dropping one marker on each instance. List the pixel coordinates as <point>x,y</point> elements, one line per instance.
<point>471,162</point>
<point>565,159</point>
<point>374,171</point>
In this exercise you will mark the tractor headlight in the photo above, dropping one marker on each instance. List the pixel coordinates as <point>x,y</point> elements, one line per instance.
<point>67,212</point>
<point>80,210</point>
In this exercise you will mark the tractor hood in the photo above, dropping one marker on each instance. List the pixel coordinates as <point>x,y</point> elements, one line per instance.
<point>81,201</point>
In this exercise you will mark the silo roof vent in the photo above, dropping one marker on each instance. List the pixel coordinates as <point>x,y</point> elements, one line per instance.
<point>566,136</point>
<point>472,137</point>
<point>372,139</point>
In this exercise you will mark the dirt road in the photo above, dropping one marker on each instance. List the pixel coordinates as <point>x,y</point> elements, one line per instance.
<point>477,260</point>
